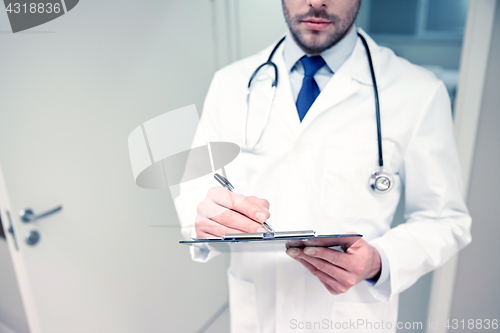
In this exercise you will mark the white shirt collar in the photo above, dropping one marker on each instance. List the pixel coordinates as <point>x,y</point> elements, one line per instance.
<point>334,57</point>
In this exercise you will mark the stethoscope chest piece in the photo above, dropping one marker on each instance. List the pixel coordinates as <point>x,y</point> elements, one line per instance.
<point>381,181</point>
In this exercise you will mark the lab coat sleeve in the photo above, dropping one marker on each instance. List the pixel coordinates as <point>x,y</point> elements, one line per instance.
<point>437,221</point>
<point>382,287</point>
<point>193,192</point>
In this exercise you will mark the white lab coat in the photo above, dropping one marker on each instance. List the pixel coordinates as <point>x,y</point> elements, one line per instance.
<point>315,176</point>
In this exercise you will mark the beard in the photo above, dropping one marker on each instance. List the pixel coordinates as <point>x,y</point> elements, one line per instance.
<point>318,43</point>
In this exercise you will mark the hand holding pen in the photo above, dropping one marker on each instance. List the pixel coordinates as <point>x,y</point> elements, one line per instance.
<point>225,183</point>
<point>225,212</point>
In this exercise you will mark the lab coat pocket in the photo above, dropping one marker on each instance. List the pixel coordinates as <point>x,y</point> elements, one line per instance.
<point>347,166</point>
<point>242,305</point>
<point>350,317</point>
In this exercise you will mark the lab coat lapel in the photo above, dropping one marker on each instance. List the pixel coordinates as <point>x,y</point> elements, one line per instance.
<point>340,87</point>
<point>351,76</point>
<point>284,102</point>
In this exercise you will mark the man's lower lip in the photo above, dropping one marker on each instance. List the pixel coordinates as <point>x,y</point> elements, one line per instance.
<point>316,25</point>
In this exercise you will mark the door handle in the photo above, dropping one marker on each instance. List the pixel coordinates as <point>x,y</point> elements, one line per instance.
<point>28,215</point>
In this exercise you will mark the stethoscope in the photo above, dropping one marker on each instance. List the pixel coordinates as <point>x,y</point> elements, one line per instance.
<point>381,180</point>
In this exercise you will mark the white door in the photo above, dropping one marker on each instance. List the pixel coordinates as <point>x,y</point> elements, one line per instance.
<point>71,91</point>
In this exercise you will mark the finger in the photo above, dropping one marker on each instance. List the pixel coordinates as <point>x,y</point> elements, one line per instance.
<point>239,203</point>
<point>307,265</point>
<point>334,257</point>
<point>208,209</point>
<point>358,247</point>
<point>335,286</point>
<point>235,220</point>
<point>232,220</point>
<point>223,197</point>
<point>356,244</point>
<point>329,282</point>
<point>330,289</point>
<point>320,264</point>
<point>338,278</point>
<point>259,202</point>
<point>262,203</point>
<point>204,235</point>
<point>254,208</point>
<point>294,243</point>
<point>208,228</point>
<point>345,279</point>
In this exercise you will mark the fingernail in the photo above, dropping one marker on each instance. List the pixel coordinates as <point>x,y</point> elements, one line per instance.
<point>309,251</point>
<point>292,252</point>
<point>262,229</point>
<point>260,216</point>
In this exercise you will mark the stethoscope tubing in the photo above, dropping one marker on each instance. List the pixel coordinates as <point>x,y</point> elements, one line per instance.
<point>380,174</point>
<point>270,62</point>
<point>377,103</point>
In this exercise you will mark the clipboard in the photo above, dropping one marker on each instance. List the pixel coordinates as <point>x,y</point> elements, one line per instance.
<point>275,241</point>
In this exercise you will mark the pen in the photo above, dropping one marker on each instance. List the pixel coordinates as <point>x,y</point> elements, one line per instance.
<point>225,183</point>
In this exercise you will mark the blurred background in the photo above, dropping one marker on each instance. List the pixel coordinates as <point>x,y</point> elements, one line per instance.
<point>426,32</point>
<point>73,89</point>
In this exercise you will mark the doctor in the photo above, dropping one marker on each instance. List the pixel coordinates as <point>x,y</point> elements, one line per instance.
<point>309,167</point>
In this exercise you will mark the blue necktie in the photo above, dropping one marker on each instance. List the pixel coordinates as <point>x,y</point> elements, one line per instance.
<point>309,90</point>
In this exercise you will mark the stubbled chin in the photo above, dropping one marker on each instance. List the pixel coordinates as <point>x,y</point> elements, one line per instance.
<point>316,45</point>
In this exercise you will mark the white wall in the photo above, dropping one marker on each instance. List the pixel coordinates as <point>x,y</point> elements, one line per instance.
<point>104,68</point>
<point>444,53</point>
<point>477,295</point>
